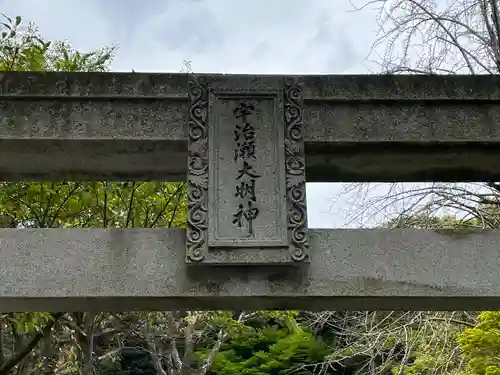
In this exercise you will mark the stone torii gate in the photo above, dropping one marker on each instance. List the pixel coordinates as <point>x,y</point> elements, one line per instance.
<point>247,144</point>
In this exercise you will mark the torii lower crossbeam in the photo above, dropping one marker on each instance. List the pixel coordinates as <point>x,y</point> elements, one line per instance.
<point>144,269</point>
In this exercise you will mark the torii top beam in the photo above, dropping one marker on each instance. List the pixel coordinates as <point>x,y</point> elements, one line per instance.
<point>356,127</point>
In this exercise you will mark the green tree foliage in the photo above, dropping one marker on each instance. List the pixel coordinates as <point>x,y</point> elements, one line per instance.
<point>69,204</point>
<point>23,48</point>
<point>481,345</point>
<point>269,345</point>
<point>421,221</point>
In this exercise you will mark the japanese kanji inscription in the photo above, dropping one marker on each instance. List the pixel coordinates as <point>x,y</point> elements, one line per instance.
<point>244,137</point>
<point>246,175</point>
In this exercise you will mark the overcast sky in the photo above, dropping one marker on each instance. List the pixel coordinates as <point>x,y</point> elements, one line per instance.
<point>220,36</point>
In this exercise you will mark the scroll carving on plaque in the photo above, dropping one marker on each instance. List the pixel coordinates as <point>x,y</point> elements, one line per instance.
<point>246,175</point>
<point>197,216</point>
<point>295,171</point>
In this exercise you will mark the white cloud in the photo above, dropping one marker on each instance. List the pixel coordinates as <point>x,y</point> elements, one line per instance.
<point>261,36</point>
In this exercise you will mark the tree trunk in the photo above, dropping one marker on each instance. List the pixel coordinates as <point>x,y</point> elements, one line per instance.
<point>89,349</point>
<point>47,355</point>
<point>23,353</point>
<point>84,335</point>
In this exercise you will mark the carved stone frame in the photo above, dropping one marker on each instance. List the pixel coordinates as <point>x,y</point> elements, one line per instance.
<point>198,250</point>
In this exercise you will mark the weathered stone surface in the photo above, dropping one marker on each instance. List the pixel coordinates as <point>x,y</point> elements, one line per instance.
<point>246,175</point>
<point>325,87</point>
<point>140,269</point>
<point>264,181</point>
<point>415,118</point>
<point>94,118</point>
<point>136,126</point>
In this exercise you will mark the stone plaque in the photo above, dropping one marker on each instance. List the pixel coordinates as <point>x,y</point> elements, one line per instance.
<point>246,176</point>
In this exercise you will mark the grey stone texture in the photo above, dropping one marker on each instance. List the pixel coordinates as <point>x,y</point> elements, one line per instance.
<point>270,225</point>
<point>358,128</point>
<point>140,269</point>
<point>246,174</point>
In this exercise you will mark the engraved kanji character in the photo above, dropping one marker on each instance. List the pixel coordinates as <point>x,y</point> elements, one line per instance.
<point>244,109</point>
<point>247,169</point>
<point>246,188</point>
<point>245,150</point>
<point>249,214</point>
<point>248,131</point>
